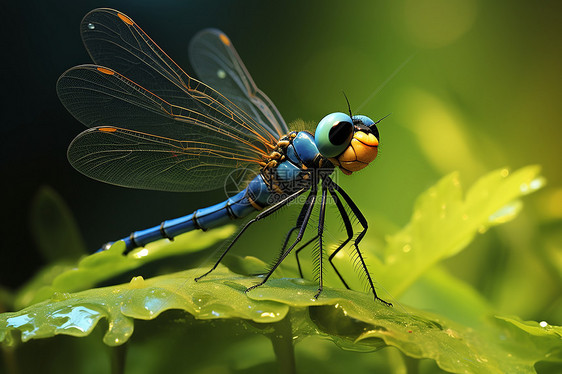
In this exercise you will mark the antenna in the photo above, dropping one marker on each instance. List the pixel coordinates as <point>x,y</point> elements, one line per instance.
<point>348,106</point>
<point>381,119</point>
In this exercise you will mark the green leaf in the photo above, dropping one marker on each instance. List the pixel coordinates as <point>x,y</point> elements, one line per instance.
<point>443,222</point>
<point>352,319</point>
<point>54,227</point>
<point>100,267</point>
<point>465,337</point>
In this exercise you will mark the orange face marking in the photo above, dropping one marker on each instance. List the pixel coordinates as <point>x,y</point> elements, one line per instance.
<point>125,19</point>
<point>107,129</point>
<point>361,151</point>
<point>105,71</point>
<point>367,139</point>
<point>365,153</point>
<point>348,155</point>
<point>224,39</point>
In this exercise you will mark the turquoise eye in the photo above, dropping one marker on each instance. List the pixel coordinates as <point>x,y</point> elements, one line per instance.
<point>364,119</point>
<point>369,123</point>
<point>333,134</point>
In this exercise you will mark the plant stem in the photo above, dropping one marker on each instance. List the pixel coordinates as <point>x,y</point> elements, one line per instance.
<point>10,362</point>
<point>118,359</point>
<point>282,341</point>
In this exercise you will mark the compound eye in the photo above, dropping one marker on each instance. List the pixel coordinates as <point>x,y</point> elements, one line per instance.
<point>369,123</point>
<point>333,134</point>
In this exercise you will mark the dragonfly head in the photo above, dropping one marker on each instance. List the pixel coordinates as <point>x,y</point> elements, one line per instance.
<point>350,143</point>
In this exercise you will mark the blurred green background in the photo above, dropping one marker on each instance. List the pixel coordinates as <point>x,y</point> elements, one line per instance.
<point>472,86</point>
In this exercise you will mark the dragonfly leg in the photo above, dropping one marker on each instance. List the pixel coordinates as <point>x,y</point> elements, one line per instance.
<point>260,216</point>
<point>348,229</point>
<point>307,207</point>
<point>364,224</point>
<point>320,236</point>
<point>285,242</point>
<point>297,251</point>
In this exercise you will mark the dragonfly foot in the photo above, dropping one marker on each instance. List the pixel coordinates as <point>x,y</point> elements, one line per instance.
<point>382,301</point>
<point>318,294</point>
<point>197,279</point>
<point>252,287</point>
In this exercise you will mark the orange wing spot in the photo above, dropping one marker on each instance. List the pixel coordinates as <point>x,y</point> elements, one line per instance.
<point>225,40</point>
<point>125,19</point>
<point>107,129</point>
<point>105,71</point>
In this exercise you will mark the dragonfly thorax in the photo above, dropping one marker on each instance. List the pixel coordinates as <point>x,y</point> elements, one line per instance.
<point>296,163</point>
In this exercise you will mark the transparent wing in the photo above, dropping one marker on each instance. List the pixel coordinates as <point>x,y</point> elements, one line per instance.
<point>183,149</point>
<point>117,42</point>
<point>217,63</point>
<point>135,159</point>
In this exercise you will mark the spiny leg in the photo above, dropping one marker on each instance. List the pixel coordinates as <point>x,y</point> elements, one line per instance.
<point>364,224</point>
<point>260,216</point>
<point>288,236</point>
<point>320,236</point>
<point>348,228</point>
<point>297,251</point>
<point>307,207</point>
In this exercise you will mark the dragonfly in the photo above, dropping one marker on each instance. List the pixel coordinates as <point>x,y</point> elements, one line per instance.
<point>152,126</point>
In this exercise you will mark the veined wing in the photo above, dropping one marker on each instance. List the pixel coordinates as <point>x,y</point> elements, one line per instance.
<point>182,149</point>
<point>117,42</point>
<point>217,63</point>
<point>141,160</point>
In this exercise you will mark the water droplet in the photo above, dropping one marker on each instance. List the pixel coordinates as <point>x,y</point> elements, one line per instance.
<point>506,213</point>
<point>533,185</point>
<point>142,253</point>
<point>91,26</point>
<point>59,296</point>
<point>543,323</point>
<point>536,183</point>
<point>407,248</point>
<point>221,74</point>
<point>267,315</point>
